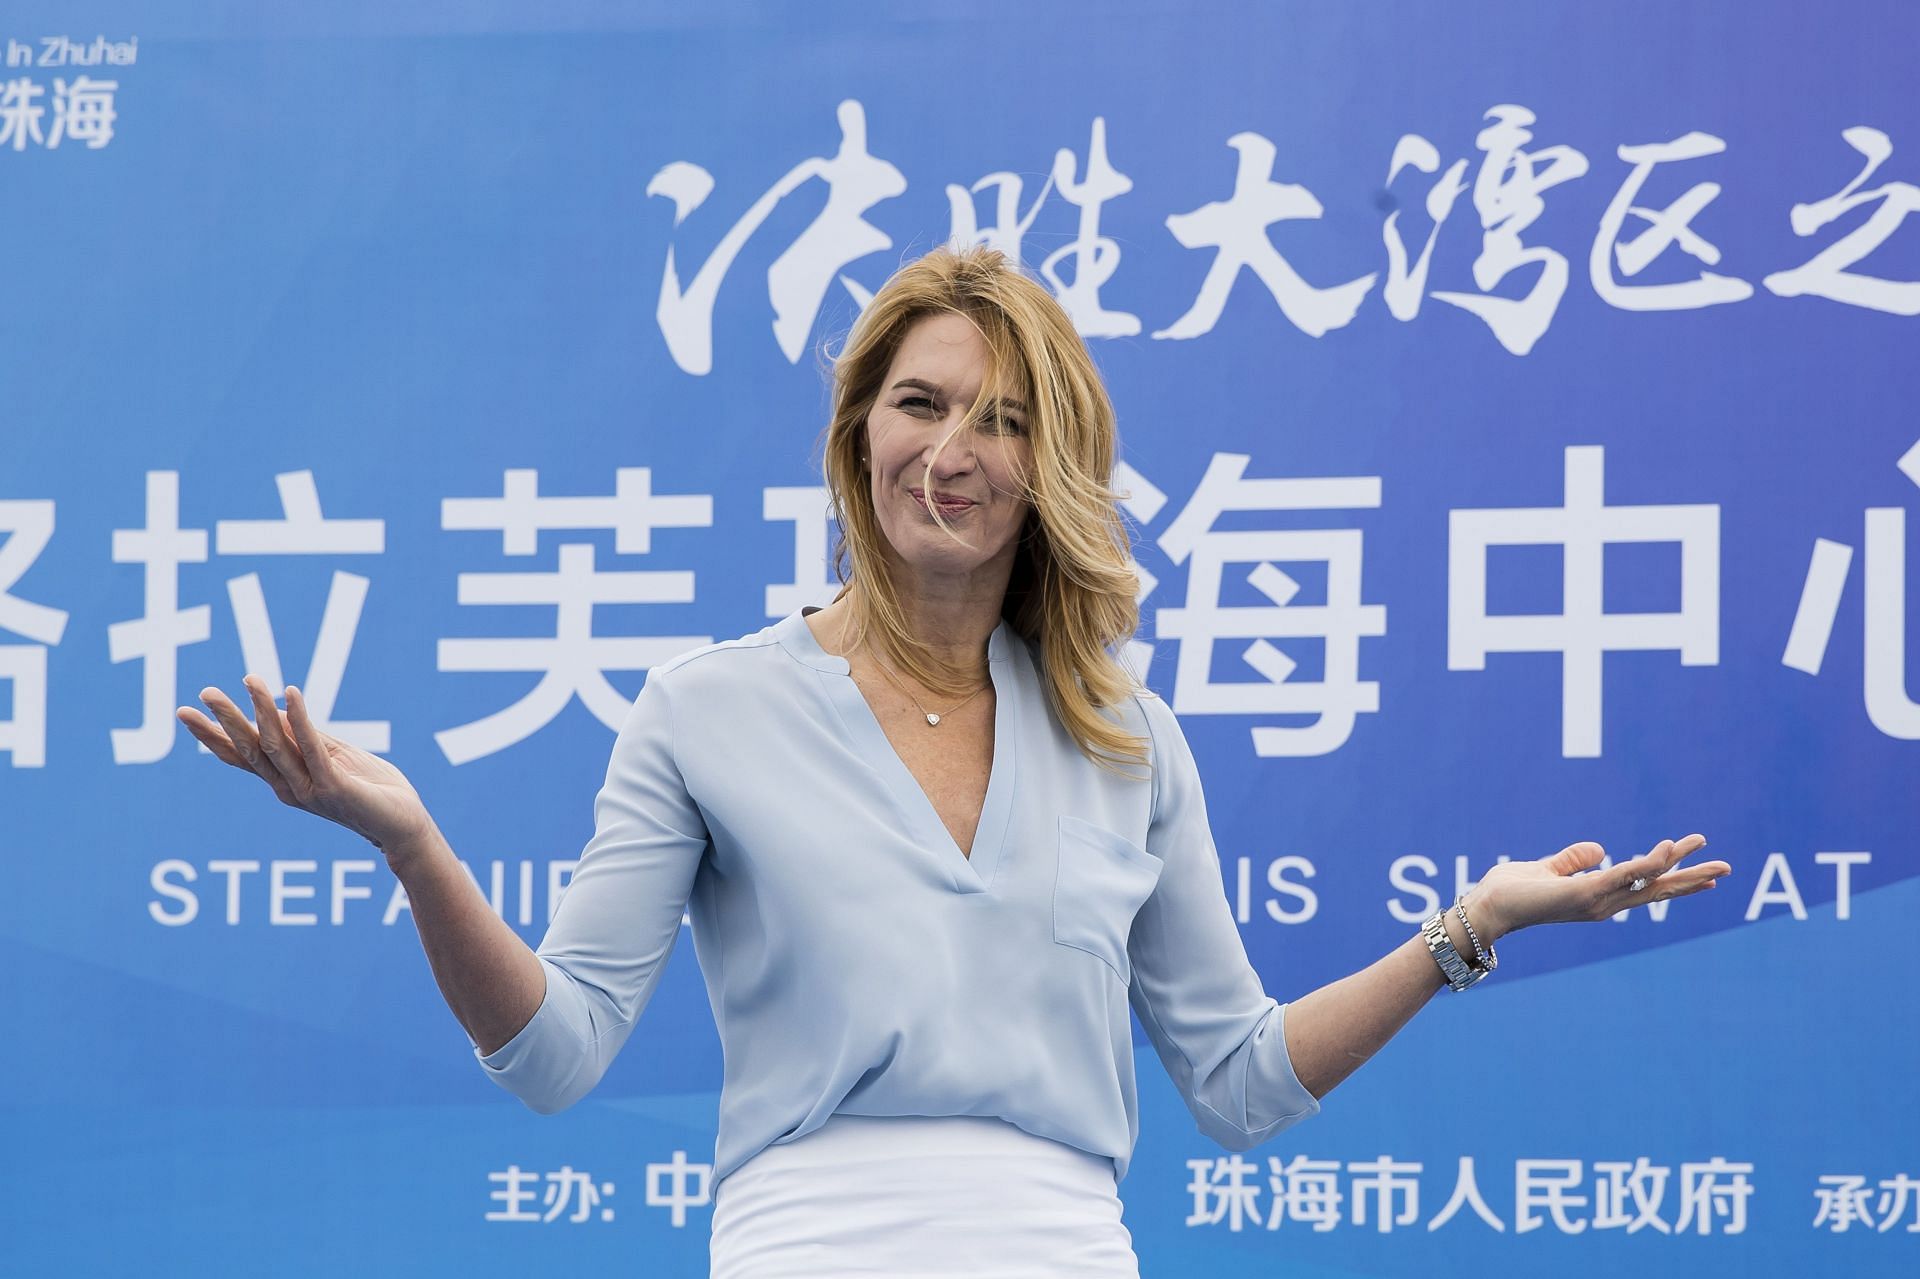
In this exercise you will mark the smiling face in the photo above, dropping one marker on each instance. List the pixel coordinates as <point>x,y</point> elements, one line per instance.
<point>937,372</point>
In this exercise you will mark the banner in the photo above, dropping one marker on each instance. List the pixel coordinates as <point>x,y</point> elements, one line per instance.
<point>1516,413</point>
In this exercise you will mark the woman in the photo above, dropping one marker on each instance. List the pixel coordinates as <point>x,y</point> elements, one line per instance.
<point>934,840</point>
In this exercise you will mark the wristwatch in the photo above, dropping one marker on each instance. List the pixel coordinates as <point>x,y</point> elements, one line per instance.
<point>1456,970</point>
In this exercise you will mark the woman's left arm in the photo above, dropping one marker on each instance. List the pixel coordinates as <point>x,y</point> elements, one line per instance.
<point>1331,1031</point>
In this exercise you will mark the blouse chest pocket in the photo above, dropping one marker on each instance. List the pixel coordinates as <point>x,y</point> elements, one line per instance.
<point>1103,880</point>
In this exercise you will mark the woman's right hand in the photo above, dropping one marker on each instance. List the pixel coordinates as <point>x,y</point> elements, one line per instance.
<point>310,769</point>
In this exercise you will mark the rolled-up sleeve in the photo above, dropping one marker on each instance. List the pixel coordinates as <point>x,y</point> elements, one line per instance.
<point>1220,1035</point>
<point>618,921</point>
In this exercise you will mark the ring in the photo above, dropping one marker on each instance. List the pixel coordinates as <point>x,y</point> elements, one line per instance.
<point>1638,884</point>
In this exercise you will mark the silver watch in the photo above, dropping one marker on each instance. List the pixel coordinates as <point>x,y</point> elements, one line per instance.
<point>1456,970</point>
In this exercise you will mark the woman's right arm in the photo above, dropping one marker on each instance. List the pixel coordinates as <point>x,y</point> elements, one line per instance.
<point>491,980</point>
<point>551,1019</point>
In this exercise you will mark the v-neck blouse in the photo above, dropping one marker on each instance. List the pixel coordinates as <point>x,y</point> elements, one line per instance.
<point>857,962</point>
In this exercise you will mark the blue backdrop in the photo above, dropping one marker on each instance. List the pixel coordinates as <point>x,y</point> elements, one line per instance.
<point>1517,411</point>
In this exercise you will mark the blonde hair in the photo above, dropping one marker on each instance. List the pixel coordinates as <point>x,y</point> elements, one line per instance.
<point>1072,588</point>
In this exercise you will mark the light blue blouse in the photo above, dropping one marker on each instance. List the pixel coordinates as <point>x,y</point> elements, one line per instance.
<point>858,962</point>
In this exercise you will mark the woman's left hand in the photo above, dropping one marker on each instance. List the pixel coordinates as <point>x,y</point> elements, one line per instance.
<point>1551,890</point>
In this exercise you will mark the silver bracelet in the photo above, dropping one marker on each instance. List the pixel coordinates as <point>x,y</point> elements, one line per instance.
<point>1488,960</point>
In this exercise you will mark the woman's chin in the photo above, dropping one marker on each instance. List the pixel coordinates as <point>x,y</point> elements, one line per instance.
<point>935,554</point>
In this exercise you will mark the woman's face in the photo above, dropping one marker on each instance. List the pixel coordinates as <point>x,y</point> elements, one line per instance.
<point>936,373</point>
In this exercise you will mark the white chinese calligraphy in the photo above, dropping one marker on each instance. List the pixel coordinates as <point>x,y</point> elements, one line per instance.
<point>1583,632</point>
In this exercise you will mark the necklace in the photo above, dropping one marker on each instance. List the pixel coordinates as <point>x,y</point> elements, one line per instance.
<point>932,719</point>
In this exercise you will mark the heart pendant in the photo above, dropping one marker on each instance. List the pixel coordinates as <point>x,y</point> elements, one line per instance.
<point>933,720</point>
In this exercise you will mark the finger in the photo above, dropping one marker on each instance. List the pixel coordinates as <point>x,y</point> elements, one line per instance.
<point>1575,858</point>
<point>313,747</point>
<point>1688,846</point>
<point>1650,868</point>
<point>237,727</point>
<point>246,743</point>
<point>208,732</point>
<point>1688,888</point>
<point>1685,848</point>
<point>274,740</point>
<point>1685,883</point>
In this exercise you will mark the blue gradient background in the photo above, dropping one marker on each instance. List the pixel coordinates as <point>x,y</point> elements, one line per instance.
<point>409,251</point>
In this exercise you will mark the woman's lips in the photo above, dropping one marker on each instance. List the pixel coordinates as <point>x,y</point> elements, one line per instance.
<point>952,507</point>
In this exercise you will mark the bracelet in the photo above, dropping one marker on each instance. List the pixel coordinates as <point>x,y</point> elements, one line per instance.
<point>1488,960</point>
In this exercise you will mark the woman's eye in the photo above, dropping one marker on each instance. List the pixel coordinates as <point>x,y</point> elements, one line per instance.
<point>997,424</point>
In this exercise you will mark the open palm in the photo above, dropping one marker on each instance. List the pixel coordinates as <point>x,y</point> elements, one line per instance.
<point>1553,889</point>
<point>310,769</point>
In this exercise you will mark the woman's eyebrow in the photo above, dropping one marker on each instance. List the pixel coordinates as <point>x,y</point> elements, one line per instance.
<point>934,387</point>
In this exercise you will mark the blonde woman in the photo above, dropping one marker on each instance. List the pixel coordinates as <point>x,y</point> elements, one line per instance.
<point>934,840</point>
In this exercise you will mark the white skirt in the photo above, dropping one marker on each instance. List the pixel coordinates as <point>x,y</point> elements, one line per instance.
<point>925,1196</point>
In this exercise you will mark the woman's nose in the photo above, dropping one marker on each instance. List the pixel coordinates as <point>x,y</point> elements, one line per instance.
<point>955,459</point>
<point>951,457</point>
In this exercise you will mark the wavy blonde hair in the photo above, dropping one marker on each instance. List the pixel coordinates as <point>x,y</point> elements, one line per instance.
<point>1072,589</point>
